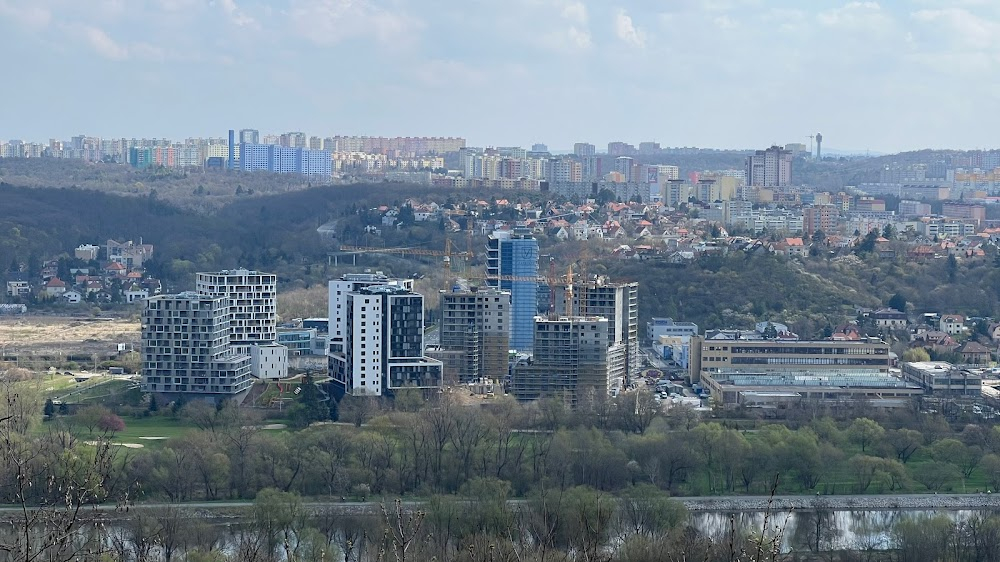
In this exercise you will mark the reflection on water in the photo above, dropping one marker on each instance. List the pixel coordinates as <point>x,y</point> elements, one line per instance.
<point>821,530</point>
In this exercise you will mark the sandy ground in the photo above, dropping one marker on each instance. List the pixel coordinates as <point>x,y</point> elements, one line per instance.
<point>52,334</point>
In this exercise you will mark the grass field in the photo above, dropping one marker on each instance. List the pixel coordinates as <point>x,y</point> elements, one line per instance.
<point>158,426</point>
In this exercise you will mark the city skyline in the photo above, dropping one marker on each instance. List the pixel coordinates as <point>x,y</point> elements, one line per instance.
<point>685,74</point>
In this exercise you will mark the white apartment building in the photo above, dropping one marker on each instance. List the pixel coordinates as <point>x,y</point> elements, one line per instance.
<point>185,347</point>
<point>383,347</point>
<point>337,300</point>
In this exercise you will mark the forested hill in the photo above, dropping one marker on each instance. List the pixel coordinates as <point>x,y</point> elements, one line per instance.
<point>811,296</point>
<point>263,232</point>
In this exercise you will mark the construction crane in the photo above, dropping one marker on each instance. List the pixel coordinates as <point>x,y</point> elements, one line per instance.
<point>410,250</point>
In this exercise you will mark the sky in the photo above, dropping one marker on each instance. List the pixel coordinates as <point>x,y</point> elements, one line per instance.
<point>882,76</point>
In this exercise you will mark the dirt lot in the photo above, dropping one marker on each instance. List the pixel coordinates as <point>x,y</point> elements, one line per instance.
<point>48,335</point>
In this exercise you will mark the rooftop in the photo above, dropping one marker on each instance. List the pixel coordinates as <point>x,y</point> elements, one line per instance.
<point>853,378</point>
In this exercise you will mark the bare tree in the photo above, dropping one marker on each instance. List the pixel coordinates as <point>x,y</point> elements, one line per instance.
<point>55,489</point>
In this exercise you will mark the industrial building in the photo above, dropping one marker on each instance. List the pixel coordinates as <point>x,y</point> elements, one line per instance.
<point>474,334</point>
<point>572,360</point>
<point>186,347</point>
<point>383,343</point>
<point>770,389</point>
<point>940,379</point>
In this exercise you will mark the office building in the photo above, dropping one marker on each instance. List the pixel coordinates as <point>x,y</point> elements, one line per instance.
<point>512,265</point>
<point>728,351</point>
<point>619,303</point>
<point>253,303</point>
<point>337,301</point>
<point>474,334</point>
<point>657,327</point>
<point>185,348</point>
<point>769,168</point>
<point>572,360</point>
<point>383,346</point>
<point>285,160</point>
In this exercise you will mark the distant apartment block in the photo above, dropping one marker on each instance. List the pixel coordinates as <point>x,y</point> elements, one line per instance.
<point>769,168</point>
<point>414,146</point>
<point>914,209</point>
<point>820,218</point>
<point>185,347</point>
<point>584,149</point>
<point>474,333</point>
<point>249,136</point>
<point>383,347</point>
<point>285,160</point>
<point>573,360</point>
<point>958,210</point>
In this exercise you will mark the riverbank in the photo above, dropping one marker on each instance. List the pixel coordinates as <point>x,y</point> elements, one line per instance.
<point>701,504</point>
<point>840,503</point>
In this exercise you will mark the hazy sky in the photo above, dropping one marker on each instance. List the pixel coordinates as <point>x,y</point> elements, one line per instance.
<point>885,76</point>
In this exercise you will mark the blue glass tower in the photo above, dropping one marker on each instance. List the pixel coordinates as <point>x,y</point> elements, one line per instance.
<point>515,255</point>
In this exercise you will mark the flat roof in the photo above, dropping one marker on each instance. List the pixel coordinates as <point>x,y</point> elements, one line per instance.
<point>858,379</point>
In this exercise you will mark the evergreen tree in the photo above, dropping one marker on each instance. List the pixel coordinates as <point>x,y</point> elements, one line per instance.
<point>50,408</point>
<point>898,302</point>
<point>153,405</point>
<point>334,410</point>
<point>311,401</point>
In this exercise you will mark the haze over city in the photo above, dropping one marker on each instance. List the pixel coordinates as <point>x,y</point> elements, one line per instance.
<point>884,77</point>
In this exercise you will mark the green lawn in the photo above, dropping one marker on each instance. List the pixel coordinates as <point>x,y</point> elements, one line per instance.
<point>156,426</point>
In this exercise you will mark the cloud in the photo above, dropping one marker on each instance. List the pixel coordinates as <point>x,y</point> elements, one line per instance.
<point>969,29</point>
<point>575,12</point>
<point>103,44</point>
<point>236,15</point>
<point>855,15</point>
<point>28,14</point>
<point>328,22</point>
<point>627,31</point>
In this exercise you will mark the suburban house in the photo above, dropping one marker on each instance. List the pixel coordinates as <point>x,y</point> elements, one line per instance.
<point>72,297</point>
<point>975,353</point>
<point>953,324</point>
<point>18,288</point>
<point>55,287</point>
<point>889,318</point>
